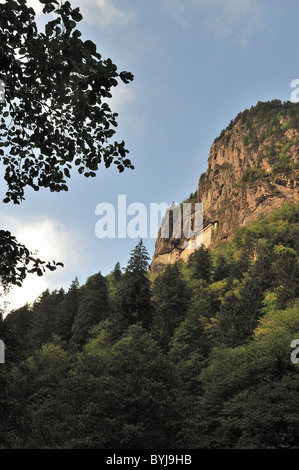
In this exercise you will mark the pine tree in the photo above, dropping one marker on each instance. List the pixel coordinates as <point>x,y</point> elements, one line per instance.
<point>134,295</point>
<point>18,325</point>
<point>201,264</point>
<point>45,313</point>
<point>68,311</point>
<point>221,270</point>
<point>138,262</point>
<point>171,301</point>
<point>117,272</point>
<point>93,308</point>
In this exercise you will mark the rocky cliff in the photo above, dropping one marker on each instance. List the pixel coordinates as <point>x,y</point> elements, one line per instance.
<point>253,168</point>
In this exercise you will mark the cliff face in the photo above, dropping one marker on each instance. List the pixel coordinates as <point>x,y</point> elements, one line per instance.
<point>253,168</point>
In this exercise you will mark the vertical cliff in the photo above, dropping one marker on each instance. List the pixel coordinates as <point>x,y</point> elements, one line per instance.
<point>253,168</point>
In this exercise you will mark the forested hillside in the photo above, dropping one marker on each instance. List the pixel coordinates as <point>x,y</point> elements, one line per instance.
<point>193,349</point>
<point>196,357</point>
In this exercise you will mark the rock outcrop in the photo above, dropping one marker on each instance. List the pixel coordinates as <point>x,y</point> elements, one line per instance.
<point>253,168</point>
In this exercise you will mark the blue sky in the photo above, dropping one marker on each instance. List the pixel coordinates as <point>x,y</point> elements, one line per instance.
<point>197,64</point>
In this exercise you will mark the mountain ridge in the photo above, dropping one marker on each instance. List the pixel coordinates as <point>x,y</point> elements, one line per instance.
<point>253,168</point>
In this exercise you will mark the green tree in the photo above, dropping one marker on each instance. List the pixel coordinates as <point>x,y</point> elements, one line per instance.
<point>10,410</point>
<point>121,396</point>
<point>44,317</point>
<point>135,401</point>
<point>35,386</point>
<point>54,115</point>
<point>138,262</point>
<point>18,326</point>
<point>286,269</point>
<point>92,309</point>
<point>117,272</point>
<point>67,311</point>
<point>171,300</point>
<point>249,392</point>
<point>201,264</point>
<point>239,312</point>
<point>133,303</point>
<point>239,266</point>
<point>190,345</point>
<point>189,351</point>
<point>221,270</point>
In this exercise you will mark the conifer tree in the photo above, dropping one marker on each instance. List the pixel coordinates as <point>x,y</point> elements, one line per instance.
<point>134,299</point>
<point>138,262</point>
<point>171,303</point>
<point>117,272</point>
<point>45,312</point>
<point>68,311</point>
<point>201,264</point>
<point>93,308</point>
<point>18,325</point>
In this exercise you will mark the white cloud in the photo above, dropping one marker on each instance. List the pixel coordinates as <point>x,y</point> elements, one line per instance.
<point>122,95</point>
<point>178,9</point>
<point>101,12</point>
<point>53,241</point>
<point>235,18</point>
<point>35,4</point>
<point>223,19</point>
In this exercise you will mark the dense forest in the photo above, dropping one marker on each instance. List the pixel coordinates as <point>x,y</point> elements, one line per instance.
<point>199,356</point>
<point>196,357</point>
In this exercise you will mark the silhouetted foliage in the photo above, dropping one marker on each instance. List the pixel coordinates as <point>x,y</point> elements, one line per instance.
<point>54,115</point>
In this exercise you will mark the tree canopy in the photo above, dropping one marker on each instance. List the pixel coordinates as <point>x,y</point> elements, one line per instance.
<point>169,361</point>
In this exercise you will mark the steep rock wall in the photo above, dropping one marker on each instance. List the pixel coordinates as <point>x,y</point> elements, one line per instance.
<point>249,175</point>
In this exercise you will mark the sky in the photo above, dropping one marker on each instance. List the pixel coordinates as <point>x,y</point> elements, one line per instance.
<point>196,65</point>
